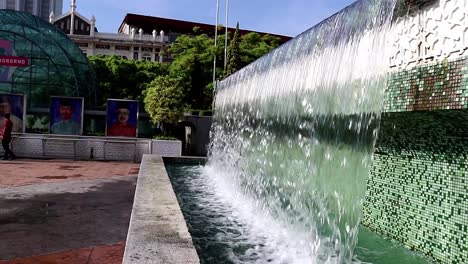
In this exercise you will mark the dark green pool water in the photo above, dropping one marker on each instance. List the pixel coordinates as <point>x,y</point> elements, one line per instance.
<point>225,230</point>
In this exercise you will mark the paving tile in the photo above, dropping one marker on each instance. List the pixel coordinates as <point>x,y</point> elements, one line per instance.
<point>106,254</point>
<point>80,256</point>
<point>27,172</point>
<point>111,254</point>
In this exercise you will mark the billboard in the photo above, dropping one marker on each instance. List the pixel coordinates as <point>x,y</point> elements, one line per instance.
<point>15,105</point>
<point>122,118</point>
<point>66,115</point>
<point>8,61</point>
<point>6,49</point>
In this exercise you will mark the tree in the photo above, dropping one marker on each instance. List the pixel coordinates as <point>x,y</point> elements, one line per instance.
<point>192,66</point>
<point>164,102</point>
<point>254,46</point>
<point>124,79</point>
<point>234,54</point>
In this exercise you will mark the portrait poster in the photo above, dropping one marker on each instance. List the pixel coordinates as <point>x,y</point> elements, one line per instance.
<point>13,104</point>
<point>9,62</point>
<point>66,115</point>
<point>6,48</point>
<point>122,118</point>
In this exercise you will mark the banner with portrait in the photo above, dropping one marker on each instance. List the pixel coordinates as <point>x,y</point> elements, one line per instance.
<point>66,115</point>
<point>122,118</point>
<point>9,62</point>
<point>15,105</point>
<point>6,48</point>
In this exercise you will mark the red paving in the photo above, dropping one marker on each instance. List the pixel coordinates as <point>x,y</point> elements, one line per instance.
<point>110,254</point>
<point>26,172</point>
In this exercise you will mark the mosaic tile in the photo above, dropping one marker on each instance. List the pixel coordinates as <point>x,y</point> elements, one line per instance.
<point>418,189</point>
<point>431,87</point>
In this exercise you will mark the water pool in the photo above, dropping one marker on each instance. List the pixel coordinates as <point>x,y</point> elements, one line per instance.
<point>228,228</point>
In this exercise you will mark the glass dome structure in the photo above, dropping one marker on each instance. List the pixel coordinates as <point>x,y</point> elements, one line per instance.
<point>55,65</point>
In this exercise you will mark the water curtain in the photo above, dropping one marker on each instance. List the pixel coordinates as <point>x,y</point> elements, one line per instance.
<point>295,130</point>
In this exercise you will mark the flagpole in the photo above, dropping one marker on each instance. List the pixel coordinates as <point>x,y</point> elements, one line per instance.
<point>226,37</point>
<point>215,44</point>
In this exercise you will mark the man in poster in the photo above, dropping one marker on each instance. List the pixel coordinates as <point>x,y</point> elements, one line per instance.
<point>6,107</point>
<point>66,125</point>
<point>121,127</point>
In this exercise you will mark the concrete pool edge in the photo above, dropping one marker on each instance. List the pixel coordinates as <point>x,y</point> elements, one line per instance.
<point>158,232</point>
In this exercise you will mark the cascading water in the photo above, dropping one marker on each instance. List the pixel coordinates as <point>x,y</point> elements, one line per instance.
<point>294,132</point>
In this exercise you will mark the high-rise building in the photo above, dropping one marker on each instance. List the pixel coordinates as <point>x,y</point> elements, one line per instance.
<point>40,8</point>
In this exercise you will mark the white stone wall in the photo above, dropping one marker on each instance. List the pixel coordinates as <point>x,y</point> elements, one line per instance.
<point>166,148</point>
<point>80,148</point>
<point>435,33</point>
<point>91,148</point>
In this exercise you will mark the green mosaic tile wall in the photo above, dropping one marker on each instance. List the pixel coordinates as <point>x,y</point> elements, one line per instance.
<point>418,189</point>
<point>438,86</point>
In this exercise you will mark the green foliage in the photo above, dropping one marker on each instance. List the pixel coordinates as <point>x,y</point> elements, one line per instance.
<point>189,76</point>
<point>164,101</point>
<point>254,46</point>
<point>234,53</point>
<point>192,65</point>
<point>193,57</point>
<point>123,79</point>
<point>164,138</point>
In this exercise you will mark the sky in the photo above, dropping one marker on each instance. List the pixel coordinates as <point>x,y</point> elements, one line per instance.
<point>284,17</point>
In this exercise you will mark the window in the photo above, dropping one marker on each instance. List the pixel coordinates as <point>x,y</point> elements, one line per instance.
<point>146,56</point>
<point>84,45</point>
<point>135,55</point>
<point>122,47</point>
<point>147,49</point>
<point>10,4</point>
<point>101,46</point>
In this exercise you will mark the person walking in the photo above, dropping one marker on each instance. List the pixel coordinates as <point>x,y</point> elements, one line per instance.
<point>5,135</point>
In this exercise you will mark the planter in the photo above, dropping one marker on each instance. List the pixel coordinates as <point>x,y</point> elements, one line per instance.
<point>166,148</point>
<point>79,147</point>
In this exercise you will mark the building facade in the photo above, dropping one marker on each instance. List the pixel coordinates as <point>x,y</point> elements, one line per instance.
<point>137,45</point>
<point>175,28</point>
<point>40,8</point>
<point>138,38</point>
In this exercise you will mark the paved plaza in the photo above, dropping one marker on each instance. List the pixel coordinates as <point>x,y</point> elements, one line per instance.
<point>65,211</point>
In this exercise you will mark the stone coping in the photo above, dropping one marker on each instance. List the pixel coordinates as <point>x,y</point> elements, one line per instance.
<point>185,160</point>
<point>158,232</point>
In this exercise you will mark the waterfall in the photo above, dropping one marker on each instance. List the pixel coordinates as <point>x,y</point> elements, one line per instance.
<point>295,130</point>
